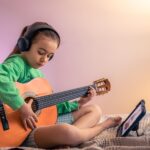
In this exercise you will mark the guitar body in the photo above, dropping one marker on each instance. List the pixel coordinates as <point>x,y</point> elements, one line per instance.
<point>47,116</point>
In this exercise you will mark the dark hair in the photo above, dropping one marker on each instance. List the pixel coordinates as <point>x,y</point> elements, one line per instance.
<point>45,32</point>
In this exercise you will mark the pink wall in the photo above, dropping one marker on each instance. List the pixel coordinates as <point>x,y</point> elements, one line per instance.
<point>100,38</point>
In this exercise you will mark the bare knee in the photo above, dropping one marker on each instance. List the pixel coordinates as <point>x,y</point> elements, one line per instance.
<point>94,108</point>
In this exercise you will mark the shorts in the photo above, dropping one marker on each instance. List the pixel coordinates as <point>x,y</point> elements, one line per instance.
<point>29,142</point>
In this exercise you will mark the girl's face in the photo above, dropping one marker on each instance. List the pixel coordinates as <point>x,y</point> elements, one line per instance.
<point>41,50</point>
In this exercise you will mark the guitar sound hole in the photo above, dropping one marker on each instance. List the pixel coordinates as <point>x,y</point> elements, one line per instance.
<point>28,98</point>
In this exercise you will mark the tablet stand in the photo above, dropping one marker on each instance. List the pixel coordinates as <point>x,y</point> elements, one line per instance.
<point>136,127</point>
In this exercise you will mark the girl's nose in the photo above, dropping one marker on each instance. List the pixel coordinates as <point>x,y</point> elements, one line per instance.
<point>44,59</point>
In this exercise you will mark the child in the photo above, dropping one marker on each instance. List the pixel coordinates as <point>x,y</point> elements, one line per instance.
<point>36,47</point>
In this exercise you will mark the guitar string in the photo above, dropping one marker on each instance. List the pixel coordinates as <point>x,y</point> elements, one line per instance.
<point>68,97</point>
<point>44,102</point>
<point>60,97</point>
<point>38,103</point>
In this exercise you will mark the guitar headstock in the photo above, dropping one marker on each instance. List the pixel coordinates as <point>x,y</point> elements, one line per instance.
<point>102,86</point>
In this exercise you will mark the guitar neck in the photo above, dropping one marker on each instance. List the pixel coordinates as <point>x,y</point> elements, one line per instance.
<point>53,99</point>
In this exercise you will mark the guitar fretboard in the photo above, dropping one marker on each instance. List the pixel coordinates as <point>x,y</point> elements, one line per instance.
<point>53,99</point>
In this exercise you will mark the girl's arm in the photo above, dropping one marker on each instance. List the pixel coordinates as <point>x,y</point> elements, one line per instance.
<point>10,72</point>
<point>9,94</point>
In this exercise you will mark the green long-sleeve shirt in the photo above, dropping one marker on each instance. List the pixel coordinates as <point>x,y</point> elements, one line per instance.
<point>16,69</point>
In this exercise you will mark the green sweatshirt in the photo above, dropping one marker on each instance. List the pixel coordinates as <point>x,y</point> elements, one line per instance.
<point>16,69</point>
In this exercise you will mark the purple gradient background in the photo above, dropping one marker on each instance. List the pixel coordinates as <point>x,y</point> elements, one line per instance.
<point>100,38</point>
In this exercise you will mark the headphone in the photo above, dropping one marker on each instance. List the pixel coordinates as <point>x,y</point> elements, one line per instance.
<point>24,42</point>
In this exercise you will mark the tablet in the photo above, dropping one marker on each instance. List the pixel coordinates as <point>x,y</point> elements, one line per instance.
<point>132,121</point>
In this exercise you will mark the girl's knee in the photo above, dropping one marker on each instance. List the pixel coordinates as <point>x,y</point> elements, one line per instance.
<point>95,108</point>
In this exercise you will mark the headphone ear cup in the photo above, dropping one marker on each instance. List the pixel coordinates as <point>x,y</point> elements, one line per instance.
<point>23,44</point>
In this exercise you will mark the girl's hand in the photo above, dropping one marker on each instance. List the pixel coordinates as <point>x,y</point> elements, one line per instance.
<point>88,97</point>
<point>28,117</point>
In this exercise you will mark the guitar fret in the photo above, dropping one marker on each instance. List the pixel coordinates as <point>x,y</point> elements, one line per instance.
<point>66,98</point>
<point>50,102</point>
<point>53,99</point>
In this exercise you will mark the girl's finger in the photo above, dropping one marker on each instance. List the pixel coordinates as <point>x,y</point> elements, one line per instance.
<point>25,124</point>
<point>33,122</point>
<point>30,124</point>
<point>30,101</point>
<point>35,118</point>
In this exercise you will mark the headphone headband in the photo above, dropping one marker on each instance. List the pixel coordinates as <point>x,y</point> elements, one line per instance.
<point>32,29</point>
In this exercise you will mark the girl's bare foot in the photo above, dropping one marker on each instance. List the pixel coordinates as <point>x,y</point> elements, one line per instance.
<point>111,122</point>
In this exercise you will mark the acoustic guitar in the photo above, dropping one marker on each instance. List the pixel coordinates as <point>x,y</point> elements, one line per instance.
<point>44,104</point>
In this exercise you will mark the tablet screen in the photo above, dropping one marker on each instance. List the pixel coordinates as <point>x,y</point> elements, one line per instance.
<point>132,120</point>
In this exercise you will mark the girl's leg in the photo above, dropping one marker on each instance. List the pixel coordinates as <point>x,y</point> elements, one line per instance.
<point>87,116</point>
<point>65,134</point>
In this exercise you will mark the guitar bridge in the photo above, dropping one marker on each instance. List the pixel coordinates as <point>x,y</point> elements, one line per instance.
<point>4,120</point>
